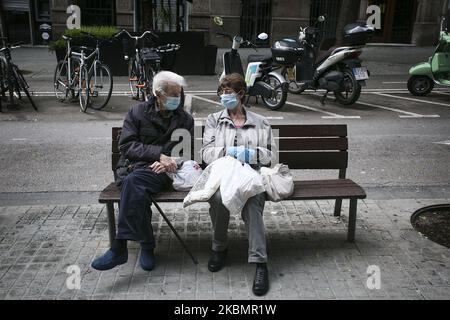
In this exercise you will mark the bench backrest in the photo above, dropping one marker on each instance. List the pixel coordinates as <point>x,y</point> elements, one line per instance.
<point>300,146</point>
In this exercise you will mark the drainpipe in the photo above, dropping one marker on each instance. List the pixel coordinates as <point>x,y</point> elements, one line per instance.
<point>2,34</point>
<point>136,15</point>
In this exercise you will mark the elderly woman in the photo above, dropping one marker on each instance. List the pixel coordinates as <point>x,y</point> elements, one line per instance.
<point>145,145</point>
<point>248,137</point>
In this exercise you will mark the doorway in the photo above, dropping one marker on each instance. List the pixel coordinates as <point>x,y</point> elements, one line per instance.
<point>398,30</point>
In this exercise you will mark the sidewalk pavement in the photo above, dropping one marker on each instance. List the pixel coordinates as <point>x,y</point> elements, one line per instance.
<point>308,255</point>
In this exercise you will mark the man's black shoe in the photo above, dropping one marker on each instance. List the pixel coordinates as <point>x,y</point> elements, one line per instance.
<point>217,260</point>
<point>261,282</point>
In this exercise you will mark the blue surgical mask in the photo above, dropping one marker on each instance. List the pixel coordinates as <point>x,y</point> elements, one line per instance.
<point>229,100</point>
<point>172,103</point>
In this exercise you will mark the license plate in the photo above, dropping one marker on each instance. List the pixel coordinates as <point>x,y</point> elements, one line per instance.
<point>361,73</point>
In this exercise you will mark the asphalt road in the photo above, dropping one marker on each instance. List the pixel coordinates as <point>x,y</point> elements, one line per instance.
<point>399,145</point>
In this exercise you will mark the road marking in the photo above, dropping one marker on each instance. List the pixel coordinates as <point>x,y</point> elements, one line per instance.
<point>99,138</point>
<point>443,142</point>
<point>188,103</point>
<point>207,100</point>
<point>19,139</point>
<point>331,115</point>
<point>406,113</point>
<point>443,92</point>
<point>394,82</point>
<point>412,99</point>
<point>214,93</point>
<point>219,104</point>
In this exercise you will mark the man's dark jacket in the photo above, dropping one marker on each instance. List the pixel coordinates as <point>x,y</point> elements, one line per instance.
<point>146,135</point>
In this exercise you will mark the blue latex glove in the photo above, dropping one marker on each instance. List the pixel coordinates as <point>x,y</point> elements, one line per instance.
<point>244,155</point>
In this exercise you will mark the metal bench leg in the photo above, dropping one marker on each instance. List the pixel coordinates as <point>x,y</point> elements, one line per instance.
<point>111,222</point>
<point>352,220</point>
<point>173,230</point>
<point>337,207</point>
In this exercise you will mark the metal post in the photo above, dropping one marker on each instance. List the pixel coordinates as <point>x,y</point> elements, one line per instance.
<point>31,20</point>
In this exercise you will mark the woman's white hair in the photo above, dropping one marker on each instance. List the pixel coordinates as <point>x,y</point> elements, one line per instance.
<point>164,78</point>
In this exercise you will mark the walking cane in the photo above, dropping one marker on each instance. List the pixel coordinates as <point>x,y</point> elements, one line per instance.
<point>173,230</point>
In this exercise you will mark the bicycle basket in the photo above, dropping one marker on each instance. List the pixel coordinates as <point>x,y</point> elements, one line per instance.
<point>148,55</point>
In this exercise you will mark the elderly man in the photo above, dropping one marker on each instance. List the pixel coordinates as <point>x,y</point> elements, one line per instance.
<point>145,145</point>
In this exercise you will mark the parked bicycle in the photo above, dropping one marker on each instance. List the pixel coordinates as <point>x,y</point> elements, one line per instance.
<point>83,76</point>
<point>143,63</point>
<point>11,79</point>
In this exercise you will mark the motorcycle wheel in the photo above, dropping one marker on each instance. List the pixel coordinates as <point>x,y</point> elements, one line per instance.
<point>352,89</point>
<point>420,85</point>
<point>277,100</point>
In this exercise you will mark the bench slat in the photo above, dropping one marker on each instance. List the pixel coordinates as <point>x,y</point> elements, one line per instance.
<point>314,160</point>
<point>304,190</point>
<point>313,144</point>
<point>327,130</point>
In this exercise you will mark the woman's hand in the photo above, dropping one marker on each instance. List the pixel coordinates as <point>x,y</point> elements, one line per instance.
<point>244,155</point>
<point>158,167</point>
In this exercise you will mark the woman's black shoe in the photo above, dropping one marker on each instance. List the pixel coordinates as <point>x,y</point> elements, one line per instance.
<point>217,260</point>
<point>261,282</point>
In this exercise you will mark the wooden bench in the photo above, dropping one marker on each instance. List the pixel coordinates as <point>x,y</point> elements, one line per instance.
<point>301,147</point>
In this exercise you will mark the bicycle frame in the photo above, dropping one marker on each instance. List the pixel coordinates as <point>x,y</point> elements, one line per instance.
<point>82,58</point>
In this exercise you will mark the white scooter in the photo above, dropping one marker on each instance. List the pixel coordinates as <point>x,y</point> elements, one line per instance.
<point>263,75</point>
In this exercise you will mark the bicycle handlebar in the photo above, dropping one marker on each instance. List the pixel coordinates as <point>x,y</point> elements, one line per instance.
<point>137,37</point>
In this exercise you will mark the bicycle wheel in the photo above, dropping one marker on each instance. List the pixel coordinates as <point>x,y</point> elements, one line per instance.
<point>61,84</point>
<point>3,77</point>
<point>22,84</point>
<point>100,86</point>
<point>61,80</point>
<point>133,76</point>
<point>83,88</point>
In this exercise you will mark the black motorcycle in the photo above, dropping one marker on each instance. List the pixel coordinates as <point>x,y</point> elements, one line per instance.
<point>337,70</point>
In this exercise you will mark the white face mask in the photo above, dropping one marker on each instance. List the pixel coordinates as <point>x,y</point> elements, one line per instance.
<point>172,103</point>
<point>229,100</point>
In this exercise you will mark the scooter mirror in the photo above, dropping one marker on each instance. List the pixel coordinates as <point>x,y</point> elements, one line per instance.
<point>321,19</point>
<point>263,36</point>
<point>218,20</point>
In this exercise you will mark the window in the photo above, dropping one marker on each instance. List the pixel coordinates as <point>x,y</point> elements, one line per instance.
<point>255,19</point>
<point>97,12</point>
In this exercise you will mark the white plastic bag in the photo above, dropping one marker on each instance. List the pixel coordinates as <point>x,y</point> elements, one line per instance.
<point>208,183</point>
<point>186,176</point>
<point>238,184</point>
<point>278,182</point>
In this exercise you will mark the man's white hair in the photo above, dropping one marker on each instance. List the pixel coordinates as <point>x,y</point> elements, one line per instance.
<point>164,78</point>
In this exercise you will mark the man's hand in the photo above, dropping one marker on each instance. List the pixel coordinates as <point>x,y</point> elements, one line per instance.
<point>168,162</point>
<point>158,167</point>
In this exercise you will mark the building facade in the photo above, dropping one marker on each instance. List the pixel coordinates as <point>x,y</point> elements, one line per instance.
<point>402,21</point>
